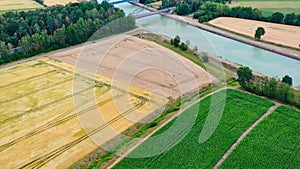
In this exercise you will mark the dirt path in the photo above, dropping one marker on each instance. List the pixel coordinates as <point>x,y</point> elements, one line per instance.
<point>238,141</point>
<point>160,126</point>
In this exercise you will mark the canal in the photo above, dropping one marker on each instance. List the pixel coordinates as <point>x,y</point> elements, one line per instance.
<point>263,61</point>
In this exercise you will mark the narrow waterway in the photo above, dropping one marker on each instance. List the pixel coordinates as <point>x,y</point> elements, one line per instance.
<point>258,59</point>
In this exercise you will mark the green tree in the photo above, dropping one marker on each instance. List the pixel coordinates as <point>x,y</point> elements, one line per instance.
<point>244,74</point>
<point>71,33</point>
<point>271,88</point>
<point>25,44</point>
<point>205,58</point>
<point>260,31</point>
<point>277,17</point>
<point>287,79</point>
<point>283,93</point>
<point>290,19</point>
<point>3,49</point>
<point>183,46</point>
<point>183,9</point>
<point>59,37</point>
<point>298,20</point>
<point>176,41</point>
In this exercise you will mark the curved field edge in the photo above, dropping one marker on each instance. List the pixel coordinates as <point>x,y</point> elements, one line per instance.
<point>274,143</point>
<point>241,110</point>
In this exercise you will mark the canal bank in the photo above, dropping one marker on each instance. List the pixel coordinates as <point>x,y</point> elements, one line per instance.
<point>275,49</point>
<point>260,60</point>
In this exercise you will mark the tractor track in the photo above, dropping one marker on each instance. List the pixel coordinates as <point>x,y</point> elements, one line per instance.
<point>148,163</point>
<point>18,68</point>
<point>34,91</point>
<point>44,105</point>
<point>42,160</point>
<point>26,79</point>
<point>57,121</point>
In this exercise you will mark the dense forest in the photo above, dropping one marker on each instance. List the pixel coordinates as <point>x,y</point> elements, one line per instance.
<point>24,34</point>
<point>206,10</point>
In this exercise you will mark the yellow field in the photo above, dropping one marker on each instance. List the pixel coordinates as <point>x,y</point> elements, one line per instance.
<point>8,5</point>
<point>39,123</point>
<point>59,2</point>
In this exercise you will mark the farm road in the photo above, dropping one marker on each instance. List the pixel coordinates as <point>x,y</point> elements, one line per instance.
<point>111,165</point>
<point>238,141</point>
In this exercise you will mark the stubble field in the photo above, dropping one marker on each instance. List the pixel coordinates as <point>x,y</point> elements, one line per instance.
<point>276,33</point>
<point>40,112</point>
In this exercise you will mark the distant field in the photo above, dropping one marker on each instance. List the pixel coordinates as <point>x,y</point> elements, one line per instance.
<point>270,6</point>
<point>18,5</point>
<point>274,143</point>
<point>240,112</point>
<point>276,33</point>
<point>59,2</point>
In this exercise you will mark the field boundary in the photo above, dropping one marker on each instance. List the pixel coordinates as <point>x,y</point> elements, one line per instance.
<point>177,113</point>
<point>245,133</point>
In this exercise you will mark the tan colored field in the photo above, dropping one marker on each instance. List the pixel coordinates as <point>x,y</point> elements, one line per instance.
<point>154,67</point>
<point>7,5</point>
<point>276,33</point>
<point>39,123</point>
<point>52,115</point>
<point>59,2</point>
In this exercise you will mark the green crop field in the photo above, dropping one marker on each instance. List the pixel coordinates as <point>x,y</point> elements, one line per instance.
<point>18,5</point>
<point>270,6</point>
<point>240,112</point>
<point>274,143</point>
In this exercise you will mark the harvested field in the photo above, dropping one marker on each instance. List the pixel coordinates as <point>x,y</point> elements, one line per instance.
<point>276,33</point>
<point>141,63</point>
<point>59,2</point>
<point>40,111</point>
<point>16,5</point>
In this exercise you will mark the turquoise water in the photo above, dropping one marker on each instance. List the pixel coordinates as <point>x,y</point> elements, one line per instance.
<point>258,59</point>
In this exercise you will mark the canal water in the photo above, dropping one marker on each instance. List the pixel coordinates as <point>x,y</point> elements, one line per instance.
<point>263,61</point>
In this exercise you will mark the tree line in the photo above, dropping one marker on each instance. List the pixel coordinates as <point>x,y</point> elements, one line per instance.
<point>212,10</point>
<point>206,10</point>
<point>270,87</point>
<point>24,34</point>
